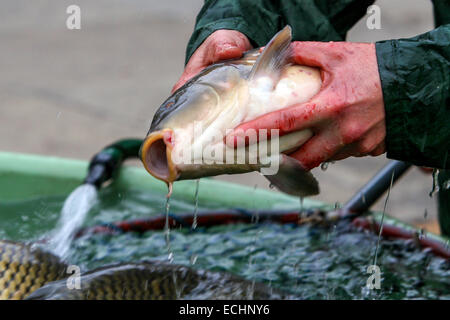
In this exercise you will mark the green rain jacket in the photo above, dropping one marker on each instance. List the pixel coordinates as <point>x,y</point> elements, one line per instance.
<point>414,72</point>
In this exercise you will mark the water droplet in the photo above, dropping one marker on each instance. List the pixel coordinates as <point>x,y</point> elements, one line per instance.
<point>324,166</point>
<point>365,291</point>
<point>167,236</point>
<point>421,234</point>
<point>250,261</point>
<point>423,142</point>
<point>193,259</point>
<point>166,226</point>
<point>446,185</point>
<point>255,213</point>
<point>301,204</point>
<point>194,220</point>
<point>382,221</point>
<point>435,186</point>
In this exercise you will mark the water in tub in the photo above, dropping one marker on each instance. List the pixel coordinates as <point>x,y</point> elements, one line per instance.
<point>309,261</point>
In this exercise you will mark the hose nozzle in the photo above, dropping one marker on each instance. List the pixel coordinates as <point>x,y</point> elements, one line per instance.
<point>105,164</point>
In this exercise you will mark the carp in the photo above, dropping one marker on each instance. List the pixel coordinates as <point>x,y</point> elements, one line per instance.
<point>24,269</point>
<point>28,272</point>
<point>155,281</point>
<point>187,140</point>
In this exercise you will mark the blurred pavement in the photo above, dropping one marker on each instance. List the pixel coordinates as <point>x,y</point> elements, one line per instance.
<point>70,92</point>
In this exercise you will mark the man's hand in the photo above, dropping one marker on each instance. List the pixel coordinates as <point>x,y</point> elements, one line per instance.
<point>346,116</point>
<point>220,45</point>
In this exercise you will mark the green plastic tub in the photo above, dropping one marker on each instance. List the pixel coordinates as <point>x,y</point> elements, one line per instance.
<point>25,176</point>
<point>323,261</point>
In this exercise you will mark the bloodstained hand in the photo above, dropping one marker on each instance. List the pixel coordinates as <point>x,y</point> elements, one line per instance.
<point>220,45</point>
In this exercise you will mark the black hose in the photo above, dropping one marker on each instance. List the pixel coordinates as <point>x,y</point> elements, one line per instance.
<point>374,189</point>
<point>105,164</point>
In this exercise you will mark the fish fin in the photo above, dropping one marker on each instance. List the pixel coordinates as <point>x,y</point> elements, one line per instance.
<point>293,179</point>
<point>274,55</point>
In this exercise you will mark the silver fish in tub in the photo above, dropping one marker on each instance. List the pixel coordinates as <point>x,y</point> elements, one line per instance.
<point>221,97</point>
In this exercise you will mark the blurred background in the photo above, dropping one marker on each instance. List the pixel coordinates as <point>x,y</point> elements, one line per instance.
<point>68,93</point>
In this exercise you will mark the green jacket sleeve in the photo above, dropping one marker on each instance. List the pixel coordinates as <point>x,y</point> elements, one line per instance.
<point>259,20</point>
<point>415,77</point>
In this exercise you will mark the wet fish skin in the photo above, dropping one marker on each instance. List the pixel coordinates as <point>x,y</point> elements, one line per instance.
<point>177,100</point>
<point>222,96</point>
<point>155,281</point>
<point>32,273</point>
<point>23,269</point>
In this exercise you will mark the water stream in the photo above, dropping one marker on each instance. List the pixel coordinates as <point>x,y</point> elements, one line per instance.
<point>382,221</point>
<point>74,211</point>
<point>167,229</point>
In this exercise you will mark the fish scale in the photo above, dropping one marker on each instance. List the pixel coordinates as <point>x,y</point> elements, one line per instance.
<point>32,273</point>
<point>166,282</point>
<point>23,269</point>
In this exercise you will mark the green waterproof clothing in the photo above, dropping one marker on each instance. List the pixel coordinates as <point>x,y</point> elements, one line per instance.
<point>414,72</point>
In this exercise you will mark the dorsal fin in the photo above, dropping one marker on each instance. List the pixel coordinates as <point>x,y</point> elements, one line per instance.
<point>274,55</point>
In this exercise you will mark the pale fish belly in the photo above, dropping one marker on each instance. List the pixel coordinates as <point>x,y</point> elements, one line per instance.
<point>297,84</point>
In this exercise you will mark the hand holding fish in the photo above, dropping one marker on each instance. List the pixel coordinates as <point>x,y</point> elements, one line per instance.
<point>186,136</point>
<point>220,45</point>
<point>346,116</point>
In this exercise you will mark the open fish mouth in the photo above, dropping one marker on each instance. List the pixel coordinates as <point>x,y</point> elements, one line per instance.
<point>156,155</point>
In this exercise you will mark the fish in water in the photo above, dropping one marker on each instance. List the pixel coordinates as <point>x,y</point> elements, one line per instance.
<point>31,273</point>
<point>221,97</point>
<point>24,269</point>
